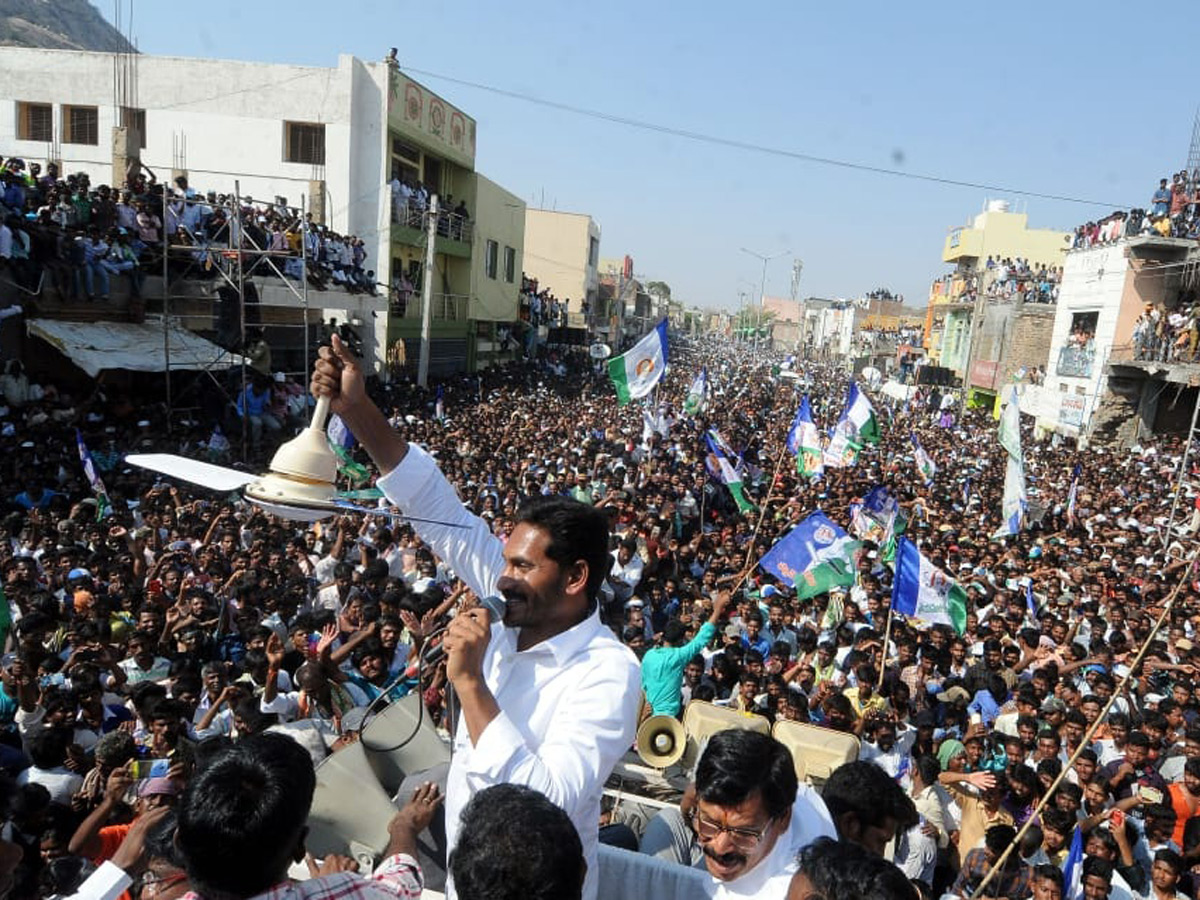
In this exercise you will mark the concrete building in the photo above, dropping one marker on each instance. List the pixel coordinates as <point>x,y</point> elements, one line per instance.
<point>562,251</point>
<point>1096,384</point>
<point>992,235</point>
<point>332,137</point>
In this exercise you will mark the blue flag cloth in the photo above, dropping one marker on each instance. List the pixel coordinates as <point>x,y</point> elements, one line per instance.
<point>815,540</point>
<point>1073,867</point>
<point>339,434</point>
<point>93,477</point>
<point>793,435</point>
<point>1029,601</point>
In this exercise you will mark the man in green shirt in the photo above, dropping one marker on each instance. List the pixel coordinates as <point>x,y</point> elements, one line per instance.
<point>662,667</point>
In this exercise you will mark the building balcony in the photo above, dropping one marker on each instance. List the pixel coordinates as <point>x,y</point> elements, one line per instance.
<point>454,233</point>
<point>1076,360</point>
<point>962,243</point>
<point>446,307</point>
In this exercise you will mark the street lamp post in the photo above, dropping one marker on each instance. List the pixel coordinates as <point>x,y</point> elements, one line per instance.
<point>762,287</point>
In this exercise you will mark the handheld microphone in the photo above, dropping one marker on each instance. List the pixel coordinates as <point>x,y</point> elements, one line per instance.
<point>495,607</point>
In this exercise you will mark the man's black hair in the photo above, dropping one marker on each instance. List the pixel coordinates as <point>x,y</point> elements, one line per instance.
<point>846,871</point>
<point>577,532</point>
<point>1169,857</point>
<point>241,819</point>
<point>1047,872</point>
<point>864,790</point>
<point>48,750</point>
<point>514,844</point>
<point>1101,868</point>
<point>998,838</point>
<point>737,763</point>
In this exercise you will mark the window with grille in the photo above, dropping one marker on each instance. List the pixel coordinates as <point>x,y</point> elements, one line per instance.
<point>304,142</point>
<point>35,122</point>
<point>491,259</point>
<point>81,125</point>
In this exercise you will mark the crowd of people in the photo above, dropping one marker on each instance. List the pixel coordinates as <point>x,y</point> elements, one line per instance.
<point>1174,212</point>
<point>1166,335</point>
<point>159,628</point>
<point>541,307</point>
<point>66,233</point>
<point>410,202</point>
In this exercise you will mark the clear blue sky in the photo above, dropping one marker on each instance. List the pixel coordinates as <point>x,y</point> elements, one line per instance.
<point>1093,101</point>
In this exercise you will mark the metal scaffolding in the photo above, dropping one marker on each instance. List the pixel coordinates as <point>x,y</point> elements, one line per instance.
<point>230,253</point>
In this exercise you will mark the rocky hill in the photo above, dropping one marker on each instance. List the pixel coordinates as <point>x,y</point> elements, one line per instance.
<point>57,25</point>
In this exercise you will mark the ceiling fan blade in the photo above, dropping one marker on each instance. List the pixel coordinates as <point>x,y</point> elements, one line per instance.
<point>216,478</point>
<point>375,511</point>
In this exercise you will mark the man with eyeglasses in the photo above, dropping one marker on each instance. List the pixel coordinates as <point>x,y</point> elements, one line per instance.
<point>751,816</point>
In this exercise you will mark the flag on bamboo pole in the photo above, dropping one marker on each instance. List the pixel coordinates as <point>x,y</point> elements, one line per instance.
<point>923,591</point>
<point>89,469</point>
<point>720,465</point>
<point>634,374</point>
<point>697,395</point>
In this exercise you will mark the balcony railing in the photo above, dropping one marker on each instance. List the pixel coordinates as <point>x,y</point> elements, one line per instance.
<point>1076,360</point>
<point>446,307</point>
<point>454,227</point>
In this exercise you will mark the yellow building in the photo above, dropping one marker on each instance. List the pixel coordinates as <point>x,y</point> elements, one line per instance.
<point>562,251</point>
<point>997,234</point>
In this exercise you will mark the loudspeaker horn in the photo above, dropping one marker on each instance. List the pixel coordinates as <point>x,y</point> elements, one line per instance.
<point>661,741</point>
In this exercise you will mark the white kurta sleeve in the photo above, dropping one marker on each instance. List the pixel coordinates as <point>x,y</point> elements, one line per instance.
<point>419,488</point>
<point>590,733</point>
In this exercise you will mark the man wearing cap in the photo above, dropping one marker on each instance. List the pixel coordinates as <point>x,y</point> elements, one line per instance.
<point>662,667</point>
<point>97,840</point>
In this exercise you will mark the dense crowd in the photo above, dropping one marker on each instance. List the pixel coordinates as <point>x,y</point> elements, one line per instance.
<point>66,233</point>
<point>541,307</point>
<point>164,622</point>
<point>1166,336</point>
<point>1174,213</point>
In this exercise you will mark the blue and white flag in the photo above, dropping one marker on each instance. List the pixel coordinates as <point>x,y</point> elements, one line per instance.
<point>93,477</point>
<point>1030,602</point>
<point>923,591</point>
<point>1073,868</point>
<point>804,441</point>
<point>339,433</point>
<point>634,374</point>
<point>697,395</point>
<point>1016,499</point>
<point>439,406</point>
<point>925,464</point>
<point>815,540</point>
<point>1073,494</point>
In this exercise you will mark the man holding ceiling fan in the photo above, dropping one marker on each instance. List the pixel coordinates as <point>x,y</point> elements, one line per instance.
<point>548,697</point>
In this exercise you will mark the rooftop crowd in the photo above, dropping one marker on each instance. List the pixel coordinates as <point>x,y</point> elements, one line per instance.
<point>1174,212</point>
<point>63,231</point>
<point>182,626</point>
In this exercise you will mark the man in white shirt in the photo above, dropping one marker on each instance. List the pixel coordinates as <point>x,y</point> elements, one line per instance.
<point>626,572</point>
<point>751,816</point>
<point>548,697</point>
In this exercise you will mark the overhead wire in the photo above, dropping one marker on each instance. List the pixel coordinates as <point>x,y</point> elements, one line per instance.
<point>737,144</point>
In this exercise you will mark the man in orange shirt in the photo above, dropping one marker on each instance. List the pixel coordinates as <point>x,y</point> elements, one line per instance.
<point>96,839</point>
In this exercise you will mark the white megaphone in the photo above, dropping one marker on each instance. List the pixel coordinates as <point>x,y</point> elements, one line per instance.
<point>661,741</point>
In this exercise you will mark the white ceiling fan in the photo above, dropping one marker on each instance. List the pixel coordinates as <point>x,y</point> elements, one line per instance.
<point>299,486</point>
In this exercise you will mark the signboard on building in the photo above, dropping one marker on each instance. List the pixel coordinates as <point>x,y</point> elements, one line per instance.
<point>1070,410</point>
<point>955,237</point>
<point>984,373</point>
